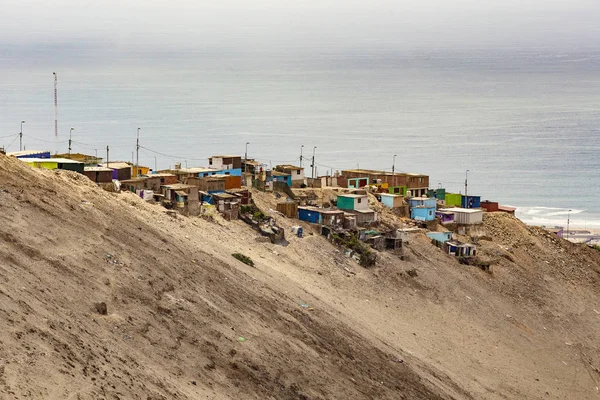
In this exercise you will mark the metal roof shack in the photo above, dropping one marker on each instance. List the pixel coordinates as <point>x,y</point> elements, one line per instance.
<point>55,163</point>
<point>466,216</point>
<point>507,209</point>
<point>29,154</point>
<point>98,174</point>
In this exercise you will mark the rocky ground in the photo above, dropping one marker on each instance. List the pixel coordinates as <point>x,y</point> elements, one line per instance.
<point>105,296</point>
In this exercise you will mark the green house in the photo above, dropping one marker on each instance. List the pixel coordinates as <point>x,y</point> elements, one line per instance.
<point>453,199</point>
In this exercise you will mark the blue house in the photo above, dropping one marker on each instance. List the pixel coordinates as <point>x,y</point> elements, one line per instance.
<point>470,201</point>
<point>422,213</point>
<point>422,201</point>
<point>440,236</point>
<point>283,177</point>
<point>309,214</point>
<point>30,154</point>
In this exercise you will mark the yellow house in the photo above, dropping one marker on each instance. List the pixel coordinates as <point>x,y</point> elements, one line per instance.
<point>141,170</point>
<point>54,163</point>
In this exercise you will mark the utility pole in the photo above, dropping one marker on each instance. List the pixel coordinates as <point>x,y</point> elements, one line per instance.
<point>394,168</point>
<point>155,164</point>
<point>107,162</point>
<point>56,110</point>
<point>568,220</point>
<point>137,154</point>
<point>313,163</point>
<point>466,179</point>
<point>21,137</point>
<point>301,147</point>
<point>246,159</point>
<point>70,132</point>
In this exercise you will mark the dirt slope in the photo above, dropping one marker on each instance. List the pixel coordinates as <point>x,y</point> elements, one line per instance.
<point>176,314</point>
<point>314,323</point>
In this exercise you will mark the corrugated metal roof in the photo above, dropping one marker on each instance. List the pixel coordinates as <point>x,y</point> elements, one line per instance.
<point>462,210</point>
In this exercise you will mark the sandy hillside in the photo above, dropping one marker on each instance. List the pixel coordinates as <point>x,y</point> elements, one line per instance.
<point>185,320</point>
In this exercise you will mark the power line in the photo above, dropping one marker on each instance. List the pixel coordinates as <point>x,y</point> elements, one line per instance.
<point>42,140</point>
<point>174,157</point>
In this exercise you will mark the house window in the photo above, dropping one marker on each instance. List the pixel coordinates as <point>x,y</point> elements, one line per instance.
<point>359,200</point>
<point>297,172</point>
<point>226,173</point>
<point>205,174</point>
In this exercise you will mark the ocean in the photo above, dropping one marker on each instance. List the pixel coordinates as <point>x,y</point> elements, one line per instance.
<point>525,124</point>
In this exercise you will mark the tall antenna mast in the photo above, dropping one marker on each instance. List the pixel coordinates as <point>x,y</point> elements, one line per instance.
<point>55,110</point>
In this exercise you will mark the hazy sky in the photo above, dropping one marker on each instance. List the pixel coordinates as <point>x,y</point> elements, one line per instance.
<point>198,24</point>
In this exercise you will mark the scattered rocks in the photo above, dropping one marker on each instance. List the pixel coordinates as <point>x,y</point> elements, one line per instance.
<point>101,308</point>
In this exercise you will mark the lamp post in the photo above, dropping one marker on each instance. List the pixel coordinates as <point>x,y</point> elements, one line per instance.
<point>301,147</point>
<point>70,132</point>
<point>394,165</point>
<point>21,137</point>
<point>313,163</point>
<point>246,158</point>
<point>466,179</point>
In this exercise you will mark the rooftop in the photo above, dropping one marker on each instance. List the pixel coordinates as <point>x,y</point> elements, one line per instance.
<point>196,170</point>
<point>224,196</point>
<point>52,160</point>
<point>463,210</point>
<point>225,157</point>
<point>506,208</point>
<point>390,195</point>
<point>178,186</point>
<point>353,196</point>
<point>289,166</point>
<point>98,169</point>
<point>117,165</point>
<point>277,173</point>
<point>26,152</point>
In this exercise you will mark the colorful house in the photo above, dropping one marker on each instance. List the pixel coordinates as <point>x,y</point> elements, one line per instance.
<point>439,194</point>
<point>358,205</point>
<point>282,177</point>
<point>470,201</point>
<point>226,165</point>
<point>297,174</point>
<point>400,190</point>
<point>422,213</point>
<point>309,214</point>
<point>355,183</point>
<point>29,154</point>
<point>353,202</point>
<point>121,170</point>
<point>391,200</point>
<point>446,217</point>
<point>440,236</point>
<point>422,201</point>
<point>55,163</point>
<point>453,199</point>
